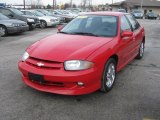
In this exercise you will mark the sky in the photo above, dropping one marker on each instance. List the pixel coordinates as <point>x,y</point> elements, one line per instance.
<point>46,2</point>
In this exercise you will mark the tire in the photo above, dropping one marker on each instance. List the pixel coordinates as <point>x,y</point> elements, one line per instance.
<point>141,51</point>
<point>43,24</point>
<point>109,76</point>
<point>31,27</point>
<point>4,31</point>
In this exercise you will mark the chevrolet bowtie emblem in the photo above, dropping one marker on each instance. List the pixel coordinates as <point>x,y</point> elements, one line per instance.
<point>40,64</point>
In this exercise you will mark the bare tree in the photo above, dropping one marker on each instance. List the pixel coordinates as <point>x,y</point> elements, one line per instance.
<point>83,2</point>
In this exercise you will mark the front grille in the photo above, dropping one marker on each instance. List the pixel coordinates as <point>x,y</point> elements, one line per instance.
<point>23,24</point>
<point>46,64</point>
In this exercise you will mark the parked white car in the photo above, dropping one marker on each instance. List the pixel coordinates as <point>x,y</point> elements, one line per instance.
<point>45,21</point>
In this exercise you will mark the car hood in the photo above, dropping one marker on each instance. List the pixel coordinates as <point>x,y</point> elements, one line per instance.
<point>138,14</point>
<point>12,21</point>
<point>62,47</point>
<point>28,16</point>
<point>49,17</point>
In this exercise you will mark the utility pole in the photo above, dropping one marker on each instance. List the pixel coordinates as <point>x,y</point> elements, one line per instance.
<point>53,3</point>
<point>24,3</point>
<point>141,4</point>
<point>71,3</point>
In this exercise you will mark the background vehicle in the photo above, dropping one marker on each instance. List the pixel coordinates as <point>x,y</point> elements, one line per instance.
<point>122,10</point>
<point>75,10</point>
<point>45,21</point>
<point>151,15</point>
<point>13,13</point>
<point>137,14</point>
<point>8,26</point>
<point>67,17</point>
<point>48,13</point>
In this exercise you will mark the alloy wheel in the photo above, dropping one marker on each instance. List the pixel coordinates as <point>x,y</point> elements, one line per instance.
<point>3,31</point>
<point>141,49</point>
<point>110,75</point>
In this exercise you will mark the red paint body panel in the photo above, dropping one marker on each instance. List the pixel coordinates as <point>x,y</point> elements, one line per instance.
<point>53,51</point>
<point>63,47</point>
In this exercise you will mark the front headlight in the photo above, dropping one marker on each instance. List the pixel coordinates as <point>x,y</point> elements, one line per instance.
<point>15,25</point>
<point>25,56</point>
<point>77,65</point>
<point>30,20</point>
<point>52,20</point>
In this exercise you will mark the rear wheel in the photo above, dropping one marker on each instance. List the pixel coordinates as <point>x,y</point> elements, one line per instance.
<point>109,76</point>
<point>141,51</point>
<point>3,30</point>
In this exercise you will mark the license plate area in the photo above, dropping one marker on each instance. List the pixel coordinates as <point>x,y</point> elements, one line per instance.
<point>36,78</point>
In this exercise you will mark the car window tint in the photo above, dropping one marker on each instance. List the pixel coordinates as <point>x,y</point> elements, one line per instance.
<point>29,13</point>
<point>98,25</point>
<point>135,25</point>
<point>124,24</point>
<point>6,12</point>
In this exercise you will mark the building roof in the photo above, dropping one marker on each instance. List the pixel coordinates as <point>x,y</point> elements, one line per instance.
<point>152,3</point>
<point>104,13</point>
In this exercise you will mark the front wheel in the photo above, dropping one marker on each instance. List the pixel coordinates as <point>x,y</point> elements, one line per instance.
<point>141,51</point>
<point>3,30</point>
<point>109,75</point>
<point>43,24</point>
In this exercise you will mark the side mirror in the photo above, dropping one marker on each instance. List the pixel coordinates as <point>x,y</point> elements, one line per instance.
<point>60,27</point>
<point>10,15</point>
<point>126,34</point>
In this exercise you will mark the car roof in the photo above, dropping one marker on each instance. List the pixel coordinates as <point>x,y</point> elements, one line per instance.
<point>27,10</point>
<point>105,13</point>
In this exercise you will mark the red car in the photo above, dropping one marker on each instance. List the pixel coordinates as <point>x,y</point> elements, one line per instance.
<point>85,55</point>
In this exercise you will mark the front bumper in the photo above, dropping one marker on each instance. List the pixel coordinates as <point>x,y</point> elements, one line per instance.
<point>53,23</point>
<point>17,29</point>
<point>64,82</point>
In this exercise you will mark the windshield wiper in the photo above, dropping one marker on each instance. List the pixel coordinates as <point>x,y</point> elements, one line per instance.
<point>83,33</point>
<point>64,32</point>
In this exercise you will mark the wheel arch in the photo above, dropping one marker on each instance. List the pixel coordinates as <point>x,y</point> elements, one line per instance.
<point>115,57</point>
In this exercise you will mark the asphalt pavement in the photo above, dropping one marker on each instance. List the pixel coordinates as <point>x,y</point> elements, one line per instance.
<point>135,96</point>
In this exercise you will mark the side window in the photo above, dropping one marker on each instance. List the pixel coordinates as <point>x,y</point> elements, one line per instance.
<point>29,13</point>
<point>89,22</point>
<point>6,12</point>
<point>125,24</point>
<point>135,25</point>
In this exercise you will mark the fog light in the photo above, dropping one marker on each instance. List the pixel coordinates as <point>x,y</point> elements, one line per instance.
<point>80,83</point>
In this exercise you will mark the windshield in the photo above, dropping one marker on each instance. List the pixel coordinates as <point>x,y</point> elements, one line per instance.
<point>151,13</point>
<point>46,12</point>
<point>66,12</point>
<point>3,17</point>
<point>39,14</point>
<point>121,10</point>
<point>16,11</point>
<point>92,25</point>
<point>58,12</point>
<point>137,11</point>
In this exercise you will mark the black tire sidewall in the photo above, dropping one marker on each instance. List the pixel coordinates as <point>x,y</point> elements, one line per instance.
<point>44,23</point>
<point>5,30</point>
<point>104,87</point>
<point>139,56</point>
